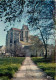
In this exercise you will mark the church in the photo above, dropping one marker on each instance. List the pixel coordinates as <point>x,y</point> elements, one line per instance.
<point>18,42</point>
<point>15,36</point>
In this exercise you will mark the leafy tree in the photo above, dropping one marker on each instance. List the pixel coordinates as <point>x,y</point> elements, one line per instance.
<point>40,15</point>
<point>11,10</point>
<point>36,46</point>
<point>41,18</point>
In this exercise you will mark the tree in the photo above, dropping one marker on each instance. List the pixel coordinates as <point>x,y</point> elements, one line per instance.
<point>37,46</point>
<point>41,18</point>
<point>40,15</point>
<point>11,11</point>
<point>16,51</point>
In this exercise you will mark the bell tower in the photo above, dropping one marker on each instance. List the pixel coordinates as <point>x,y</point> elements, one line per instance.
<point>25,33</point>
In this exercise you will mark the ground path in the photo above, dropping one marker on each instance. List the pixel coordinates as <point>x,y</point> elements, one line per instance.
<point>29,71</point>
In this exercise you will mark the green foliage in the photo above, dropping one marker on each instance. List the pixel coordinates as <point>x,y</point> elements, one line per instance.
<point>4,78</point>
<point>46,65</point>
<point>41,59</point>
<point>8,66</point>
<point>12,10</point>
<point>6,61</point>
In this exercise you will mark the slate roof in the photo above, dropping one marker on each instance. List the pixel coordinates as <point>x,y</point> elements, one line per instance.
<point>16,29</point>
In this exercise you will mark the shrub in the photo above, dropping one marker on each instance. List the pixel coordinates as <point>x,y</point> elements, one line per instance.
<point>4,78</point>
<point>46,65</point>
<point>8,66</point>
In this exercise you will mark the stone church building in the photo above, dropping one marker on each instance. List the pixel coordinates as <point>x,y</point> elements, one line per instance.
<point>15,36</point>
<point>18,41</point>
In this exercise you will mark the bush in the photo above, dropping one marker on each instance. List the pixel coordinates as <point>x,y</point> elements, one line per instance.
<point>4,78</point>
<point>8,66</point>
<point>46,65</point>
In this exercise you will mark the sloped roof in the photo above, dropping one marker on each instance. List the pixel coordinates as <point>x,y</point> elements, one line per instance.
<point>24,43</point>
<point>16,29</point>
<point>3,48</point>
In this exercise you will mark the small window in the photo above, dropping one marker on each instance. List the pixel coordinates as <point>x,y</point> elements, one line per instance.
<point>10,45</point>
<point>14,42</point>
<point>10,40</point>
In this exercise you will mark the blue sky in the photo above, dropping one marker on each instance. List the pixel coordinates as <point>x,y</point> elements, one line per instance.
<point>2,34</point>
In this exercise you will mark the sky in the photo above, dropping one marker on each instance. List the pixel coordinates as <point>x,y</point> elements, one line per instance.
<point>2,34</point>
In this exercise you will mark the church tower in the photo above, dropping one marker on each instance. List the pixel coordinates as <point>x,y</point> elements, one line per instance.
<point>25,33</point>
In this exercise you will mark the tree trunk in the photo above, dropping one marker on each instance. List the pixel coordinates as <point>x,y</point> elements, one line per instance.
<point>45,51</point>
<point>46,54</point>
<point>36,53</point>
<point>45,44</point>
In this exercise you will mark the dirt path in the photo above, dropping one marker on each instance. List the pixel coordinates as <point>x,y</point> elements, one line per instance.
<point>29,71</point>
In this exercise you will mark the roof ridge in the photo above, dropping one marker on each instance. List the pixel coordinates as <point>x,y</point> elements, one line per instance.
<point>16,29</point>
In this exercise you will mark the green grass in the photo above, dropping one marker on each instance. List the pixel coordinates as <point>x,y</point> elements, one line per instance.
<point>46,65</point>
<point>8,66</point>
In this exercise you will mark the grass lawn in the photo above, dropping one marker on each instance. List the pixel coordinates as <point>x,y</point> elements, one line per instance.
<point>8,66</point>
<point>46,65</point>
